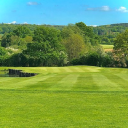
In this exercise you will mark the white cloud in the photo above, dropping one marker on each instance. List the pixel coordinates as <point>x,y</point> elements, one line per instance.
<point>14,22</point>
<point>103,8</point>
<point>25,23</point>
<point>122,9</point>
<point>32,3</point>
<point>94,25</point>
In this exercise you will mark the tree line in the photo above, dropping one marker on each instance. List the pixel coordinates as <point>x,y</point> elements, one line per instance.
<point>74,44</point>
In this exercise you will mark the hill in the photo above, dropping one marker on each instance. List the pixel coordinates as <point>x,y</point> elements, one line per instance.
<point>108,33</point>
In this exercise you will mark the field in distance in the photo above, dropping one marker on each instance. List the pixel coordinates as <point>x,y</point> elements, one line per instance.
<point>65,97</point>
<point>107,47</point>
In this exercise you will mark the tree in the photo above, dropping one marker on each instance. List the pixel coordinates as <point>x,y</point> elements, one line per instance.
<point>6,40</point>
<point>3,54</point>
<point>74,45</point>
<point>69,30</point>
<point>121,44</point>
<point>42,54</point>
<point>86,30</point>
<point>52,35</point>
<point>121,49</point>
<point>46,49</point>
<point>22,31</point>
<point>87,33</point>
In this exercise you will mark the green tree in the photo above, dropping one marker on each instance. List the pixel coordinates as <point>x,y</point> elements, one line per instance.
<point>87,31</point>
<point>22,31</point>
<point>121,49</point>
<point>52,35</point>
<point>42,54</point>
<point>3,54</point>
<point>74,45</point>
<point>6,40</point>
<point>69,30</point>
<point>46,50</point>
<point>121,44</point>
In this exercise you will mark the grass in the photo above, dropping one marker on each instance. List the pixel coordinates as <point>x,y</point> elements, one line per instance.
<point>107,47</point>
<point>65,97</point>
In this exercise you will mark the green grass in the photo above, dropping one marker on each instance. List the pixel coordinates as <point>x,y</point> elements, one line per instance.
<point>107,46</point>
<point>65,97</point>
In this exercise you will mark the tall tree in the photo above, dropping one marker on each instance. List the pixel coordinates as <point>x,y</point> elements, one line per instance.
<point>74,46</point>
<point>121,49</point>
<point>121,44</point>
<point>46,49</point>
<point>88,33</point>
<point>22,31</point>
<point>52,35</point>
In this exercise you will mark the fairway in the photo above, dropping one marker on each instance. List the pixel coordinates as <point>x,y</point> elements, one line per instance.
<point>65,97</point>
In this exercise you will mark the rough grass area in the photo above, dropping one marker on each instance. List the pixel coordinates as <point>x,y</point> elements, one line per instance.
<point>65,97</point>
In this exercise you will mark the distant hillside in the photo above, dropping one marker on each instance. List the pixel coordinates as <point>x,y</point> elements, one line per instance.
<point>120,24</point>
<point>108,33</point>
<point>6,28</point>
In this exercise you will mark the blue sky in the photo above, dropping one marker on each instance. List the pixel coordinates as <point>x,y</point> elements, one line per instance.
<point>63,12</point>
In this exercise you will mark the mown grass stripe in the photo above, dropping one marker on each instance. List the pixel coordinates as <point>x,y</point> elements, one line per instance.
<point>85,83</point>
<point>118,79</point>
<point>78,69</point>
<point>47,83</point>
<point>91,69</point>
<point>5,79</point>
<point>66,83</point>
<point>55,69</point>
<point>105,83</point>
<point>23,82</point>
<point>67,69</point>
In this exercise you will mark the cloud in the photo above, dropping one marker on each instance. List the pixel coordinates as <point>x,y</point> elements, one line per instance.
<point>32,3</point>
<point>14,22</point>
<point>122,9</point>
<point>25,23</point>
<point>103,8</point>
<point>94,25</point>
<point>107,9</point>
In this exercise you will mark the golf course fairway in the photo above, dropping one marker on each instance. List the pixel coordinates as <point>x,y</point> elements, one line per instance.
<point>65,97</point>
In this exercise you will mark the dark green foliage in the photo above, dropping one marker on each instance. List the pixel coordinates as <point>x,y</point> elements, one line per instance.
<point>87,32</point>
<point>95,58</point>
<point>22,31</point>
<point>19,37</point>
<point>121,49</point>
<point>16,60</point>
<point>43,34</point>
<point>42,54</point>
<point>6,40</point>
<point>108,33</point>
<point>3,55</point>
<point>46,45</point>
<point>46,49</point>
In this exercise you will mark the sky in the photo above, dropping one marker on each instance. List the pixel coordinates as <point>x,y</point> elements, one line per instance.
<point>64,12</point>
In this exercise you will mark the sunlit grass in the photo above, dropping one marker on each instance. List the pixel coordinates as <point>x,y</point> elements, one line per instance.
<point>107,46</point>
<point>65,97</point>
